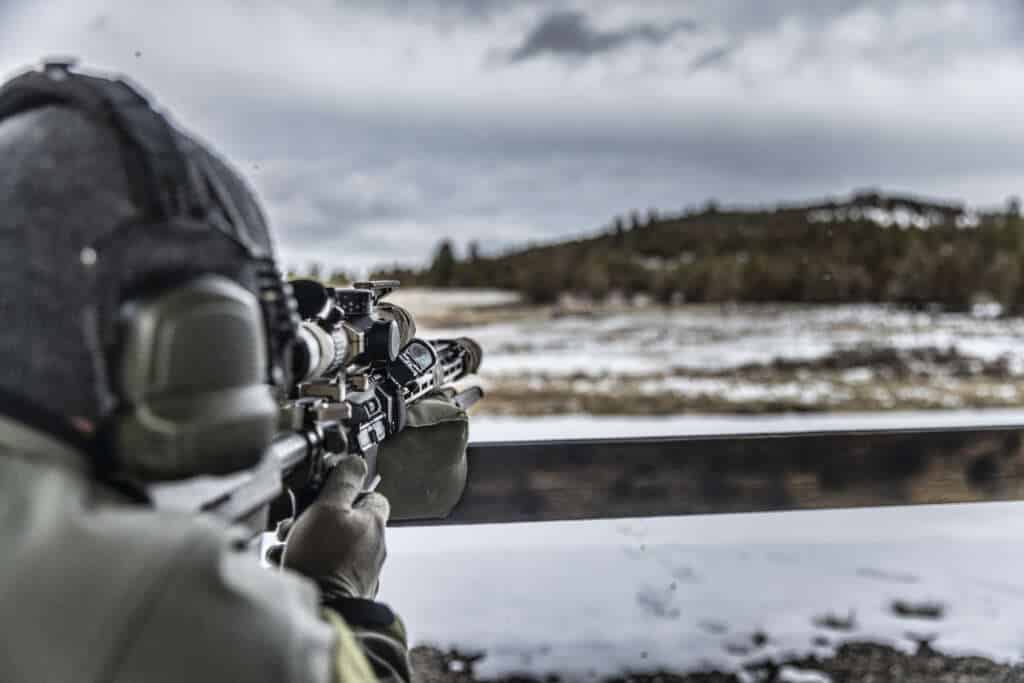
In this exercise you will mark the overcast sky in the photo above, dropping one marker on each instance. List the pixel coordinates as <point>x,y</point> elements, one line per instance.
<point>374,128</point>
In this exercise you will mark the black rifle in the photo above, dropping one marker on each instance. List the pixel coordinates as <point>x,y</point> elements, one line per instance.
<point>354,383</point>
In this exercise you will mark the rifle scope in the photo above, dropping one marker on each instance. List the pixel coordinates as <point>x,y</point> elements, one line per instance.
<point>341,327</point>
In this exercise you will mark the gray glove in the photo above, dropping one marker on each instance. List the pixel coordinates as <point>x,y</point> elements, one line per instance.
<point>339,541</point>
<point>423,467</point>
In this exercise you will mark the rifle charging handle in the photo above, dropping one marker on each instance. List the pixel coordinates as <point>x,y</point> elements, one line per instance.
<point>334,439</point>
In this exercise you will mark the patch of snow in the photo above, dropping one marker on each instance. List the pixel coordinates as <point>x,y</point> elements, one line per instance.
<point>790,674</point>
<point>900,217</point>
<point>858,376</point>
<point>987,309</point>
<point>808,393</point>
<point>426,298</point>
<point>579,596</point>
<point>968,220</point>
<point>497,428</point>
<point>720,338</point>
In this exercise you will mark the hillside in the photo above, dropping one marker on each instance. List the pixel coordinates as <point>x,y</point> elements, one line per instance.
<point>870,247</point>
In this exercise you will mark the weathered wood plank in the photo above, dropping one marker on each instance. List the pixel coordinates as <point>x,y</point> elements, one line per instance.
<point>580,479</point>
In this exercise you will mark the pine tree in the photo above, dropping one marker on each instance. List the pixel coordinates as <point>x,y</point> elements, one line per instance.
<point>1013,207</point>
<point>634,220</point>
<point>442,269</point>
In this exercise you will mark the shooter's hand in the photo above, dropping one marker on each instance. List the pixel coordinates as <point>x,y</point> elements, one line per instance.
<point>423,467</point>
<point>339,540</point>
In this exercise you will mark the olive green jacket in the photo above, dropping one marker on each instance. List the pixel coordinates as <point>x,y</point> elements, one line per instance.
<point>96,588</point>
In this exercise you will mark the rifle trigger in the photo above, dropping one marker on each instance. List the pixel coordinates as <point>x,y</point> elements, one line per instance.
<point>285,525</point>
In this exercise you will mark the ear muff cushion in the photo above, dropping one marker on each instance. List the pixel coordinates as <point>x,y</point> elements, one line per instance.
<point>192,378</point>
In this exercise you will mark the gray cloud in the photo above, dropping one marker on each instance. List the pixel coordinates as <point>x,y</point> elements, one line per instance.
<point>569,34</point>
<point>447,16</point>
<point>741,16</point>
<point>445,10</point>
<point>713,57</point>
<point>6,8</point>
<point>373,130</point>
<point>744,17</point>
<point>376,191</point>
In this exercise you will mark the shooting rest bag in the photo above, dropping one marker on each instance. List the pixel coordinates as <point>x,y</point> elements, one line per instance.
<point>423,468</point>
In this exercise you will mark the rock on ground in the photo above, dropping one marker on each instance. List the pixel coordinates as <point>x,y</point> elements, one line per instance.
<point>854,662</point>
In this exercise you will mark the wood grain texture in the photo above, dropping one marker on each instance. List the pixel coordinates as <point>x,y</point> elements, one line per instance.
<point>580,479</point>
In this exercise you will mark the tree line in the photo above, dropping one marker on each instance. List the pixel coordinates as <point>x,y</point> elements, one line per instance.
<point>872,248</point>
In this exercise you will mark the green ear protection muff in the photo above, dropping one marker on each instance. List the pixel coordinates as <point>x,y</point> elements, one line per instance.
<point>192,378</point>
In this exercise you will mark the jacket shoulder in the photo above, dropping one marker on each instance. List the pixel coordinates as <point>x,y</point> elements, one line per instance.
<point>213,613</point>
<point>92,591</point>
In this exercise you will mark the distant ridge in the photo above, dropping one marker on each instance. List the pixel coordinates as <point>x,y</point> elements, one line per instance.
<point>881,200</point>
<point>869,247</point>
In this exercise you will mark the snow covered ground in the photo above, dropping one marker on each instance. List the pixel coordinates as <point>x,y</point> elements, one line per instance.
<point>500,428</point>
<point>694,592</point>
<point>747,359</point>
<point>706,337</point>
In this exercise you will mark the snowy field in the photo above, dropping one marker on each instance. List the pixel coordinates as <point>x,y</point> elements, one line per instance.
<point>593,598</point>
<point>719,338</point>
<point>744,359</point>
<point>708,337</point>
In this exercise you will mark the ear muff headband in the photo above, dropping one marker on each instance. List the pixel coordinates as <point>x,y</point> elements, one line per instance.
<point>164,188</point>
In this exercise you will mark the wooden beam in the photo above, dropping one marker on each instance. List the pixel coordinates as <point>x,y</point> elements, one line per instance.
<point>581,479</point>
